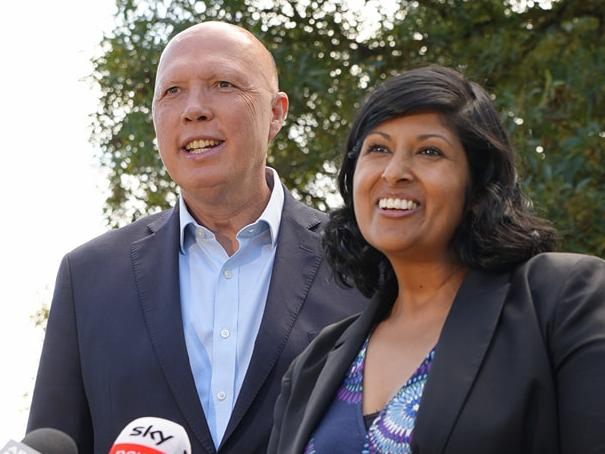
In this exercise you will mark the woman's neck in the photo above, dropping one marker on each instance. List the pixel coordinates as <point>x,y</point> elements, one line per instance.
<point>427,286</point>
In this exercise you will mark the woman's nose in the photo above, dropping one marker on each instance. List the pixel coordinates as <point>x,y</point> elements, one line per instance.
<point>399,168</point>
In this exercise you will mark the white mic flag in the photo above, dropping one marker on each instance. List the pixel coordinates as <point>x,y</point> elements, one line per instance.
<point>150,435</point>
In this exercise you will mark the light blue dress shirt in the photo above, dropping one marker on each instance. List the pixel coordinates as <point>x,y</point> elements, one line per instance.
<point>222,301</point>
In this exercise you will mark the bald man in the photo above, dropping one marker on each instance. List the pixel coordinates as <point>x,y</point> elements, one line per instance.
<point>194,314</point>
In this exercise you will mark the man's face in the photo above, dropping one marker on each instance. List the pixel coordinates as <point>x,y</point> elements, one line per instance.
<point>215,110</point>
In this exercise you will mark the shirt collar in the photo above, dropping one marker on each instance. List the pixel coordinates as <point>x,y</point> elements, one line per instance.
<point>271,215</point>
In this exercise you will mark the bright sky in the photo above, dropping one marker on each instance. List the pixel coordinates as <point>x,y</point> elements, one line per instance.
<point>53,190</point>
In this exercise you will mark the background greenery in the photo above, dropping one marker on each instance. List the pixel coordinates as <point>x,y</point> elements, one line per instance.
<point>544,62</point>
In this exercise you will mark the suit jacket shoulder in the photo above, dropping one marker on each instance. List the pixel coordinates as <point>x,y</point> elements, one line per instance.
<point>123,237</point>
<point>559,285</point>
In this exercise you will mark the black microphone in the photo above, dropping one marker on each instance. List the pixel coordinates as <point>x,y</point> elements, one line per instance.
<point>42,441</point>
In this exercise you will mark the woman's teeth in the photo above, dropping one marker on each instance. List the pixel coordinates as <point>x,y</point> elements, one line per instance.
<point>397,204</point>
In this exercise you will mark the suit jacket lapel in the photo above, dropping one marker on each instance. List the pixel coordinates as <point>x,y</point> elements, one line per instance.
<point>298,250</point>
<point>464,340</point>
<point>336,365</point>
<point>156,264</point>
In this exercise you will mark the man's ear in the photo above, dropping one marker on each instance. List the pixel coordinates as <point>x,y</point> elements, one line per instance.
<point>279,112</point>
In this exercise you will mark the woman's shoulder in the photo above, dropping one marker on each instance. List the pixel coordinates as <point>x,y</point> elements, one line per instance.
<point>561,284</point>
<point>563,260</point>
<point>556,268</point>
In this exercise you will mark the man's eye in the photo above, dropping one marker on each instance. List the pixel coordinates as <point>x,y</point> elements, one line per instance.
<point>172,90</point>
<point>224,84</point>
<point>431,151</point>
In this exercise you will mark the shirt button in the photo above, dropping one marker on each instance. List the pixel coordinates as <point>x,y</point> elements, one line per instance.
<point>225,333</point>
<point>228,274</point>
<point>221,395</point>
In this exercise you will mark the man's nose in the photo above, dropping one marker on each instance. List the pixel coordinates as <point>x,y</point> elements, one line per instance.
<point>198,108</point>
<point>398,169</point>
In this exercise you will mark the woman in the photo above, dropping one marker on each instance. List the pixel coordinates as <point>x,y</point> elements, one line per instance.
<point>477,340</point>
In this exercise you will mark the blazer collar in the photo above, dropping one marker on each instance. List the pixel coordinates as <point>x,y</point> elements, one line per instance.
<point>297,261</point>
<point>337,362</point>
<point>464,340</point>
<point>155,264</point>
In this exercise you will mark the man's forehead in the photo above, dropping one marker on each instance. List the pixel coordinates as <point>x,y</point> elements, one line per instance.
<point>218,41</point>
<point>209,67</point>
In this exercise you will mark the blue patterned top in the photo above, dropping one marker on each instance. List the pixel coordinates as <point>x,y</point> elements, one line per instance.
<point>343,430</point>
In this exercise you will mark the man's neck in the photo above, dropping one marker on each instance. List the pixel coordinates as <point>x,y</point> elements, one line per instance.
<point>225,218</point>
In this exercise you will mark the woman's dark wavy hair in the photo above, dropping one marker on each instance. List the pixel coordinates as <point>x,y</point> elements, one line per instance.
<point>498,229</point>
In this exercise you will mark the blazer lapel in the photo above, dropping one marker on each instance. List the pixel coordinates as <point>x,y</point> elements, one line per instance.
<point>297,260</point>
<point>156,268</point>
<point>337,362</point>
<point>464,340</point>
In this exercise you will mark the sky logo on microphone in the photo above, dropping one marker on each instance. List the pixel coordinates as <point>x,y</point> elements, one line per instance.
<point>156,435</point>
<point>149,435</point>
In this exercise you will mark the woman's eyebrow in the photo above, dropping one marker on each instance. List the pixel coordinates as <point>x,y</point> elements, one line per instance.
<point>419,137</point>
<point>440,136</point>
<point>380,133</point>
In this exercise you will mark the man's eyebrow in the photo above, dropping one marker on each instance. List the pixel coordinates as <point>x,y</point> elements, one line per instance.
<point>168,81</point>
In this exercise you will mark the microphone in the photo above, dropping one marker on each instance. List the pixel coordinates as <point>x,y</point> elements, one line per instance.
<point>150,435</point>
<point>42,441</point>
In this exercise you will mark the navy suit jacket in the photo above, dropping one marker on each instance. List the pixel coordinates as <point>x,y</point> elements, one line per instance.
<point>114,348</point>
<point>519,366</point>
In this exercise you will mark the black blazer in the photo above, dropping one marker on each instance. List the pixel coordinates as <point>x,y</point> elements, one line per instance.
<point>115,350</point>
<point>519,366</point>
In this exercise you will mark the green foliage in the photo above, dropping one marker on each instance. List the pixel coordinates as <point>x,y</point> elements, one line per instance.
<point>40,317</point>
<point>543,62</point>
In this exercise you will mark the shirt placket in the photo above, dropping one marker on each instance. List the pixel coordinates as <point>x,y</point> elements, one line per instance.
<point>226,310</point>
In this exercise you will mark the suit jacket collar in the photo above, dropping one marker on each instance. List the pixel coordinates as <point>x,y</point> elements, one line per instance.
<point>297,249</point>
<point>156,264</point>
<point>464,340</point>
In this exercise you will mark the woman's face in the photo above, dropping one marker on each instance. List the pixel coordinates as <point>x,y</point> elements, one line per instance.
<point>409,186</point>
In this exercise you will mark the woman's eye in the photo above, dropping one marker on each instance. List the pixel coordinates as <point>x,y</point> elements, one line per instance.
<point>376,148</point>
<point>431,151</point>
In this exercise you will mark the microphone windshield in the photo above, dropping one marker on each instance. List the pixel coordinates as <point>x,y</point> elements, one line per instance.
<point>50,441</point>
<point>151,435</point>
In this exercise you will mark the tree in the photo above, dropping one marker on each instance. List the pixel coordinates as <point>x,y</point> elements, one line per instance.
<point>543,62</point>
